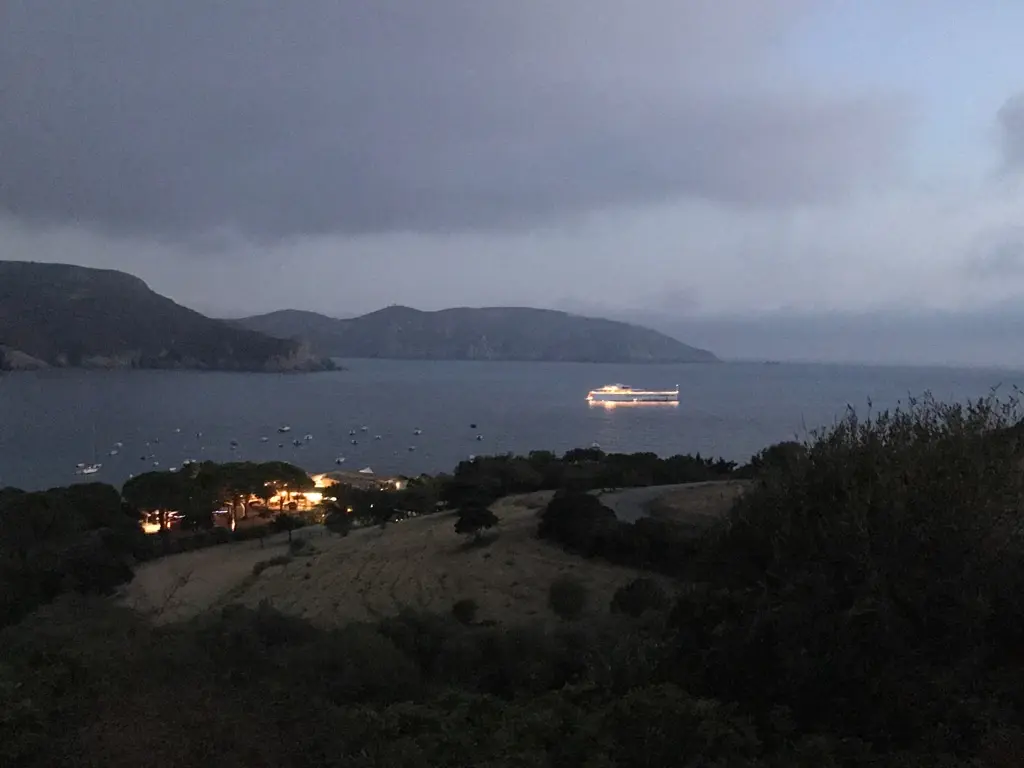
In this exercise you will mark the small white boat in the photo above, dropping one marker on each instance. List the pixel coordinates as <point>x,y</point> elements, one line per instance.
<point>284,429</point>
<point>417,431</point>
<point>351,432</point>
<point>479,437</point>
<point>412,447</point>
<point>340,460</point>
<point>79,465</point>
<point>119,445</point>
<point>378,437</point>
<point>364,429</point>
<point>264,439</point>
<point>365,471</point>
<point>89,469</point>
<point>354,442</point>
<point>114,452</point>
<point>307,438</point>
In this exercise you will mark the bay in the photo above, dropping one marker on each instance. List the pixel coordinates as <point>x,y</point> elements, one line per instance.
<point>52,420</point>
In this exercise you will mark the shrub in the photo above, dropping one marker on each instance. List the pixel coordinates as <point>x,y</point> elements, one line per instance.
<point>474,519</point>
<point>295,546</point>
<point>465,610</point>
<point>885,562</point>
<point>640,595</point>
<point>567,597</point>
<point>339,521</point>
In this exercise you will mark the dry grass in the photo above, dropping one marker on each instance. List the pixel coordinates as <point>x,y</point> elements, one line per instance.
<point>421,564</point>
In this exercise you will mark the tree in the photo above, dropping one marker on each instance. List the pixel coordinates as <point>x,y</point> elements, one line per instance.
<point>338,520</point>
<point>286,522</point>
<point>640,595</point>
<point>159,492</point>
<point>474,520</point>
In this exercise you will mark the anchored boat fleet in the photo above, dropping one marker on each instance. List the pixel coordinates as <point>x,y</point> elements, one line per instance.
<point>622,394</point>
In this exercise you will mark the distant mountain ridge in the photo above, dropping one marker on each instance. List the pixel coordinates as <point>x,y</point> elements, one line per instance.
<point>69,316</point>
<point>489,333</point>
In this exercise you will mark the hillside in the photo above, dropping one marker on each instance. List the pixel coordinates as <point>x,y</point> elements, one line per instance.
<point>494,333</point>
<point>63,315</point>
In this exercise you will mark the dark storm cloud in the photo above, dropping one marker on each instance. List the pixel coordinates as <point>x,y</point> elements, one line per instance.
<point>1011,124</point>
<point>382,115</point>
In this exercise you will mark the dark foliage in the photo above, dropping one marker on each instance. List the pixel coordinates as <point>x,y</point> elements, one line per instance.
<point>473,521</point>
<point>567,597</point>
<point>640,595</point>
<point>80,539</point>
<point>465,611</point>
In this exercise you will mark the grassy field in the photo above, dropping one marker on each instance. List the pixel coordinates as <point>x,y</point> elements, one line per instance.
<point>420,563</point>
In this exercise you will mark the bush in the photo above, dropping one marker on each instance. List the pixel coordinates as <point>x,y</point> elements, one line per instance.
<point>885,562</point>
<point>339,521</point>
<point>295,546</point>
<point>640,595</point>
<point>473,520</point>
<point>465,610</point>
<point>567,597</point>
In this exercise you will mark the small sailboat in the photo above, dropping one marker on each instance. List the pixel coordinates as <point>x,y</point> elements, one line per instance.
<point>378,437</point>
<point>365,471</point>
<point>417,431</point>
<point>340,460</point>
<point>307,438</point>
<point>479,437</point>
<point>351,432</point>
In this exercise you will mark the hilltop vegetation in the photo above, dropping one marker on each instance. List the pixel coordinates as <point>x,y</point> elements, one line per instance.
<point>491,333</point>
<point>63,315</point>
<point>862,605</point>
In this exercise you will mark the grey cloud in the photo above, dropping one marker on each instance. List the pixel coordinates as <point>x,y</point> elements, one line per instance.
<point>1011,124</point>
<point>370,116</point>
<point>1000,255</point>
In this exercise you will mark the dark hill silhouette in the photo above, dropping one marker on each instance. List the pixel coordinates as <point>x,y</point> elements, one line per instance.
<point>491,333</point>
<point>64,315</point>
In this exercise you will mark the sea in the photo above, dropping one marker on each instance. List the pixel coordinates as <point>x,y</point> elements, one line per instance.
<point>137,421</point>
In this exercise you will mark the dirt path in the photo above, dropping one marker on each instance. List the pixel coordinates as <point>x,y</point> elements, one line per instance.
<point>690,503</point>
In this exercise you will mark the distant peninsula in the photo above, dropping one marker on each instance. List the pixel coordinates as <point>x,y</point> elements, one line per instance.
<point>59,315</point>
<point>491,333</point>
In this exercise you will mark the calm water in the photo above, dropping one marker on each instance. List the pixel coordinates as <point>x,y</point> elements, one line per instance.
<point>50,421</point>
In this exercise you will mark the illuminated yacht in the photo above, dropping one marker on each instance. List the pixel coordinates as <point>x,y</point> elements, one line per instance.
<point>622,393</point>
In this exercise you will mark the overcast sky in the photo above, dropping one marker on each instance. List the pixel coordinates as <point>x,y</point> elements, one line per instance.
<point>738,162</point>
